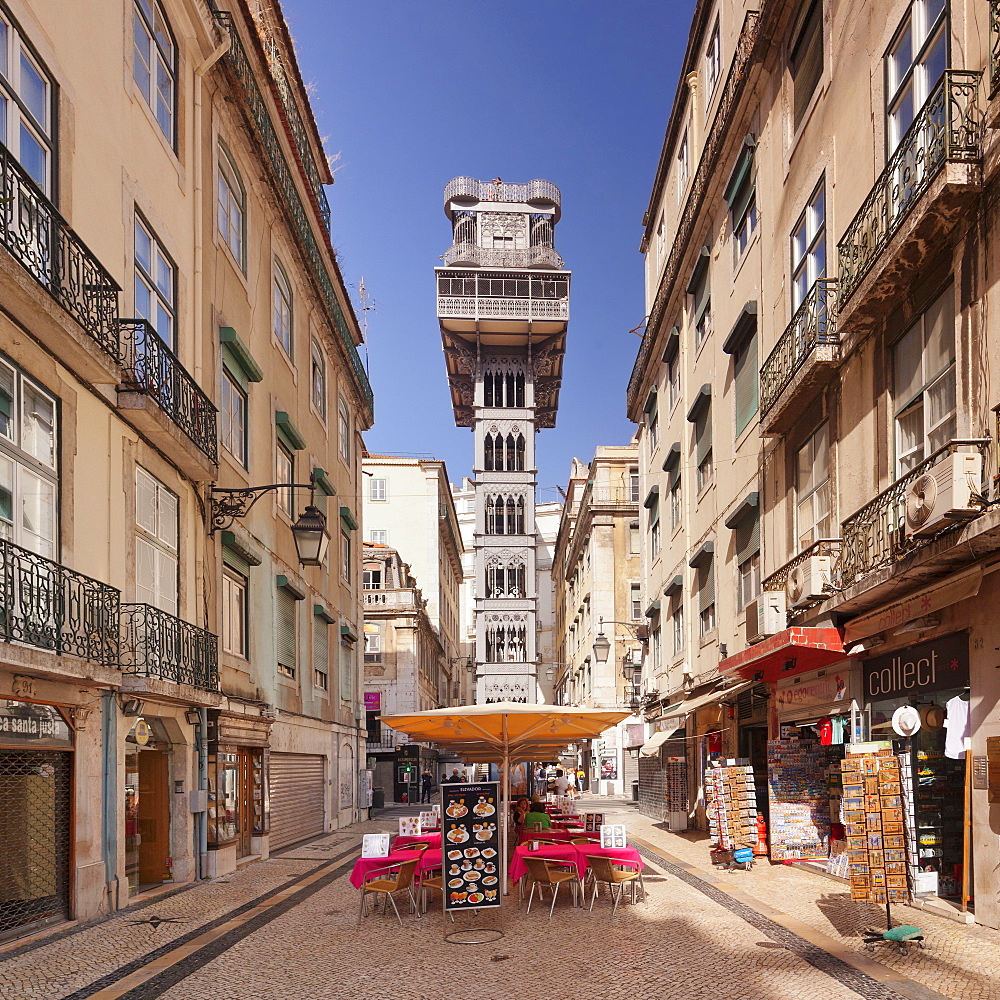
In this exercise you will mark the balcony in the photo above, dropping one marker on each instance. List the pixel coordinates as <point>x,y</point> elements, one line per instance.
<point>379,599</point>
<point>476,308</point>
<point>875,536</point>
<point>611,496</point>
<point>802,361</point>
<point>994,48</point>
<point>470,255</point>
<point>151,371</point>
<point>156,646</point>
<point>778,580</point>
<point>45,605</point>
<point>40,240</point>
<point>543,194</point>
<point>918,198</point>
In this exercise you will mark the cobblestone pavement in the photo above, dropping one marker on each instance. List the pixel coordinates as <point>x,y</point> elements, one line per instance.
<point>286,929</point>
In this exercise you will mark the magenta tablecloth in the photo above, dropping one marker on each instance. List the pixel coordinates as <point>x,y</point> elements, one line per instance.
<point>556,834</point>
<point>364,866</point>
<point>434,839</point>
<point>575,853</point>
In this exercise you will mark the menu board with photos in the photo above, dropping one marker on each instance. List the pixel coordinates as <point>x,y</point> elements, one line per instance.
<point>375,845</point>
<point>592,822</point>
<point>732,809</point>
<point>470,845</point>
<point>613,835</point>
<point>877,815</point>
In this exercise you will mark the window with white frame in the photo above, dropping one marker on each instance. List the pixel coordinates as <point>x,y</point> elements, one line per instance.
<point>813,516</point>
<point>156,543</point>
<point>233,407</point>
<point>232,208</point>
<point>652,423</point>
<point>924,384</point>
<point>703,447</point>
<point>741,197</point>
<point>654,527</point>
<point>746,529</point>
<point>635,601</point>
<point>371,577</point>
<point>284,472</point>
<point>154,62</point>
<point>713,63</point>
<point>806,59</point>
<point>749,581</point>
<point>809,246</point>
<point>376,490</point>
<point>673,379</point>
<point>29,482</point>
<point>633,538</point>
<point>344,429</point>
<point>700,290</point>
<point>348,670</point>
<point>345,556</point>
<point>25,105</point>
<point>633,485</point>
<point>677,626</point>
<point>373,644</point>
<point>683,165</point>
<point>234,612</point>
<point>317,381</point>
<point>379,536</point>
<point>915,62</point>
<point>154,283</point>
<point>657,650</point>
<point>676,499</point>
<point>281,307</point>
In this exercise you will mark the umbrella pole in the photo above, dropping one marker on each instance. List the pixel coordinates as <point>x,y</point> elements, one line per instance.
<point>506,805</point>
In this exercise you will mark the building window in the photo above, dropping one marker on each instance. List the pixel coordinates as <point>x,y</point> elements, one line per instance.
<point>505,515</point>
<point>506,644</point>
<point>154,284</point>
<point>924,384</point>
<point>25,105</point>
<point>656,653</point>
<point>635,601</point>
<point>915,62</point>
<point>700,290</point>
<point>234,612</point>
<point>813,517</point>
<point>683,165</point>
<point>505,579</point>
<point>373,645</point>
<point>676,498</point>
<point>28,480</point>
<point>281,320</point>
<point>503,389</point>
<point>317,381</point>
<point>673,380</point>
<point>232,208</point>
<point>661,241</point>
<point>345,556</point>
<point>652,423</point>
<point>806,59</point>
<point>376,490</point>
<point>677,627</point>
<point>741,197</point>
<point>749,572</point>
<point>233,404</point>
<point>379,536</point>
<point>633,538</point>
<point>154,62</point>
<point>156,514</point>
<point>706,597</point>
<point>285,631</point>
<point>633,485</point>
<point>654,527</point>
<point>321,653</point>
<point>745,378</point>
<point>713,64</point>
<point>344,429</point>
<point>371,578</point>
<point>284,472</point>
<point>809,246</point>
<point>703,447</point>
<point>348,670</point>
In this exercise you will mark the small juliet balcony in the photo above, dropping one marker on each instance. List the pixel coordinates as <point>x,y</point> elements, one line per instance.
<point>160,652</point>
<point>376,600</point>
<point>915,203</point>
<point>183,414</point>
<point>803,360</point>
<point>48,606</point>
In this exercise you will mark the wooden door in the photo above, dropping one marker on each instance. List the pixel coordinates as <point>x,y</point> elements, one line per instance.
<point>154,817</point>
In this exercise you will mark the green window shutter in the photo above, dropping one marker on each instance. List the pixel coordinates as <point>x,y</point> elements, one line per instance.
<point>321,644</point>
<point>235,561</point>
<point>703,435</point>
<point>746,382</point>
<point>284,627</point>
<point>747,537</point>
<point>237,359</point>
<point>706,584</point>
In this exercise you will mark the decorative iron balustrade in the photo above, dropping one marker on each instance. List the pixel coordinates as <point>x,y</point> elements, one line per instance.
<point>822,547</point>
<point>156,644</point>
<point>41,241</point>
<point>814,322</point>
<point>290,109</point>
<point>392,599</point>
<point>994,47</point>
<point>469,253</point>
<point>715,138</point>
<point>875,536</point>
<point>534,191</point>
<point>46,605</point>
<point>615,496</point>
<point>259,113</point>
<point>150,367</point>
<point>948,128</point>
<point>481,307</point>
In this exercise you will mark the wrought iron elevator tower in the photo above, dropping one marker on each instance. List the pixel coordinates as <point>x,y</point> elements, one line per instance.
<point>503,307</point>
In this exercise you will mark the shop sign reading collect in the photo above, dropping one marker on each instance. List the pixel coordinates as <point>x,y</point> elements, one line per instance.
<point>937,665</point>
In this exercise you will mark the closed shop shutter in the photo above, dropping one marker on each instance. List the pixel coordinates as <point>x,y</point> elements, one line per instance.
<point>298,795</point>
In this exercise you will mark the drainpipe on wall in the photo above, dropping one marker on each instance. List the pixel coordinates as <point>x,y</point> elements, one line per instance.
<point>201,818</point>
<point>109,795</point>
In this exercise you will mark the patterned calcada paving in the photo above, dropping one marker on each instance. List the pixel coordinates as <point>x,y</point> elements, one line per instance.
<point>835,967</point>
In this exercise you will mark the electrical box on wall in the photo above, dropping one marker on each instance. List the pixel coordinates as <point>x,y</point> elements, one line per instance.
<point>198,799</point>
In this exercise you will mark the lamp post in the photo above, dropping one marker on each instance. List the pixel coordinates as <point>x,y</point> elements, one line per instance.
<point>630,671</point>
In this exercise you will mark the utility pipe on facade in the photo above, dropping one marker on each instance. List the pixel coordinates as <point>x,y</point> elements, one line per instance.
<point>109,796</point>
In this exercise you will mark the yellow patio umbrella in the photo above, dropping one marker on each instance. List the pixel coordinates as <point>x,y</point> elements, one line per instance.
<point>505,732</point>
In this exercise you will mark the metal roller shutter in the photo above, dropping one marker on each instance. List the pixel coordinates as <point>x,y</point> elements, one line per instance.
<point>298,793</point>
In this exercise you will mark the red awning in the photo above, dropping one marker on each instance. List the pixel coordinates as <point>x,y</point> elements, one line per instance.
<point>788,653</point>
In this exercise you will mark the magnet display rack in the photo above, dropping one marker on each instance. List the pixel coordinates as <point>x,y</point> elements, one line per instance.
<point>732,809</point>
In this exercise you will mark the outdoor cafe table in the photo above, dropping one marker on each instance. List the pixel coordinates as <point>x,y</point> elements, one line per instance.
<point>556,834</point>
<point>575,854</point>
<point>434,839</point>
<point>363,867</point>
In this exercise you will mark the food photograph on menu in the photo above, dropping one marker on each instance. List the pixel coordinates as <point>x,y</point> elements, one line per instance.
<point>471,844</point>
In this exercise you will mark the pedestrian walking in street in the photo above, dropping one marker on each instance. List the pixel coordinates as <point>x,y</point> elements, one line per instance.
<point>581,777</point>
<point>426,783</point>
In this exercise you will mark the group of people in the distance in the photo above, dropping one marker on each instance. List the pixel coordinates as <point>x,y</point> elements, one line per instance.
<point>566,782</point>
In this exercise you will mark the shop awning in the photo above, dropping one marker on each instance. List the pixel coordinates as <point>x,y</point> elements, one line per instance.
<point>693,704</point>
<point>652,746</point>
<point>785,654</point>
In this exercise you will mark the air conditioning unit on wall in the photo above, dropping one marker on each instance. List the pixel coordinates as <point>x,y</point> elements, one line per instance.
<point>809,580</point>
<point>943,494</point>
<point>766,616</point>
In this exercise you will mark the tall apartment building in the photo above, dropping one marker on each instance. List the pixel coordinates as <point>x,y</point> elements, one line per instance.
<point>815,396</point>
<point>599,590</point>
<point>177,691</point>
<point>503,309</point>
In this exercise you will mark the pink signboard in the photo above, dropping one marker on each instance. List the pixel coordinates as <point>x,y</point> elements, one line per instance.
<point>373,701</point>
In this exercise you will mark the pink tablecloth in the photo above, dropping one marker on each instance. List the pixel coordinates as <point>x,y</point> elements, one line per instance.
<point>556,834</point>
<point>574,853</point>
<point>434,839</point>
<point>430,858</point>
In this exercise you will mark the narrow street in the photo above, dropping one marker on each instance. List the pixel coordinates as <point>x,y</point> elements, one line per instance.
<point>286,929</point>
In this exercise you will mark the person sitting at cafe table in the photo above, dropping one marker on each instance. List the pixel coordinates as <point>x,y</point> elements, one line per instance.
<point>535,816</point>
<point>518,811</point>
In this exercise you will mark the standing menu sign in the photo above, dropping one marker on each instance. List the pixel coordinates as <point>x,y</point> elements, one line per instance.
<point>470,845</point>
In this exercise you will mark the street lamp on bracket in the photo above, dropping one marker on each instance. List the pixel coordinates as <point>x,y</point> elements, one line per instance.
<point>311,535</point>
<point>630,671</point>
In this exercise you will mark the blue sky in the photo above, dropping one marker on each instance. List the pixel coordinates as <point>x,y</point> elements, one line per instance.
<point>411,94</point>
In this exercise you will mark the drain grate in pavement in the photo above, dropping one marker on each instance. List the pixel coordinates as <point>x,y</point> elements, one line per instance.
<point>846,975</point>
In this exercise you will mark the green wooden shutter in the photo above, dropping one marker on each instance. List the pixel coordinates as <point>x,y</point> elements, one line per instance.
<point>703,434</point>
<point>746,382</point>
<point>747,537</point>
<point>321,644</point>
<point>284,627</point>
<point>706,584</point>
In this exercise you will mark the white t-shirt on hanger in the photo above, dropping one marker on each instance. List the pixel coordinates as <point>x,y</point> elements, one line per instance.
<point>956,742</point>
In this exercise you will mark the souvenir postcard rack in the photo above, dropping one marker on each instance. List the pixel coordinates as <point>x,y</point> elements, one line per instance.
<point>732,809</point>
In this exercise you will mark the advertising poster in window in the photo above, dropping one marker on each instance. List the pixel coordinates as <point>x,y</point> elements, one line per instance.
<point>609,768</point>
<point>471,861</point>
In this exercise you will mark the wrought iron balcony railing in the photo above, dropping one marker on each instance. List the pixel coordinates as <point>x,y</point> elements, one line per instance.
<point>615,496</point>
<point>994,47</point>
<point>948,128</point>
<point>814,323</point>
<point>45,605</point>
<point>150,367</point>
<point>822,547</point>
<point>476,307</point>
<point>534,191</point>
<point>469,253</point>
<point>391,599</point>
<point>41,241</point>
<point>875,536</point>
<point>156,644</point>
